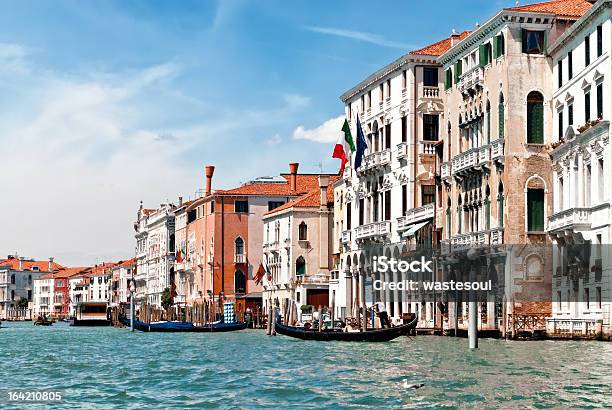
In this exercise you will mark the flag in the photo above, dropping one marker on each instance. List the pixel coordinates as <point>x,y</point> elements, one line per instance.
<point>361,145</point>
<point>345,146</point>
<point>179,256</point>
<point>259,274</point>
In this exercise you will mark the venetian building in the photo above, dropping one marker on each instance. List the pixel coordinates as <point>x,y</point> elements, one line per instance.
<point>496,173</point>
<point>580,222</point>
<point>389,200</point>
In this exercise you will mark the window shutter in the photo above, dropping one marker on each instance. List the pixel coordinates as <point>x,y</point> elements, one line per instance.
<point>501,119</point>
<point>545,45</point>
<point>495,46</point>
<point>538,123</point>
<point>502,45</point>
<point>482,55</point>
<point>457,69</point>
<point>535,210</point>
<point>524,40</point>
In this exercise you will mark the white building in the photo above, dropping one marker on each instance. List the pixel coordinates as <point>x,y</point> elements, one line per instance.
<point>582,163</point>
<point>297,249</point>
<point>391,196</point>
<point>155,252</point>
<point>122,274</point>
<point>43,296</point>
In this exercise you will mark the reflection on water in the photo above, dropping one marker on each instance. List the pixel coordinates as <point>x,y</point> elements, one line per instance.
<point>248,369</point>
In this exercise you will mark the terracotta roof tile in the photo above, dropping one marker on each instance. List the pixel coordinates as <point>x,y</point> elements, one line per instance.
<point>65,273</point>
<point>440,47</point>
<point>565,8</point>
<point>43,266</point>
<point>310,199</point>
<point>304,183</point>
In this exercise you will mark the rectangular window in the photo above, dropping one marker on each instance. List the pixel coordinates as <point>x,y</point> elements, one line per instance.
<point>448,80</point>
<point>560,194</point>
<point>369,99</point>
<point>457,71</point>
<point>600,179</point>
<point>570,114</point>
<point>241,206</point>
<point>587,106</point>
<point>388,205</point>
<point>599,41</point>
<point>587,297</point>
<point>430,76</point>
<point>535,210</point>
<point>560,73</point>
<point>587,51</point>
<point>430,127</point>
<point>598,297</point>
<point>560,124</point>
<point>559,299</point>
<point>498,46</point>
<point>570,65</point>
<point>362,103</point>
<point>274,204</point>
<point>389,88</point>
<point>404,199</point>
<point>600,100</point>
<point>349,215</point>
<point>381,92</point>
<point>387,136</point>
<point>534,42</point>
<point>587,187</point>
<point>404,129</point>
<point>404,79</point>
<point>428,193</point>
<point>361,211</point>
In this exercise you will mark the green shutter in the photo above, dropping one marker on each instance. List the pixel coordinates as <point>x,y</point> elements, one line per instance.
<point>448,80</point>
<point>495,46</point>
<point>545,46</point>
<point>535,210</point>
<point>482,55</point>
<point>457,69</point>
<point>488,214</point>
<point>500,215</point>
<point>535,123</point>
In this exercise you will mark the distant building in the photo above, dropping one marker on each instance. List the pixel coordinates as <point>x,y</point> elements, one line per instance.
<point>297,244</point>
<point>17,276</point>
<point>122,274</point>
<point>52,292</point>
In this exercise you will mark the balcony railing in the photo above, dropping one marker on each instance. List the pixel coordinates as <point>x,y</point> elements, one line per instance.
<point>570,219</point>
<point>373,230</point>
<point>384,157</point>
<point>445,169</point>
<point>346,236</point>
<point>471,79</point>
<point>414,215</point>
<point>240,258</point>
<point>371,161</point>
<point>497,149</point>
<point>465,160</point>
<point>573,327</point>
<point>481,238</point>
<point>484,154</point>
<point>427,147</point>
<point>402,150</point>
<point>430,92</point>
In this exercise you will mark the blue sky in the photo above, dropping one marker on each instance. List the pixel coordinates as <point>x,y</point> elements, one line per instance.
<point>107,103</point>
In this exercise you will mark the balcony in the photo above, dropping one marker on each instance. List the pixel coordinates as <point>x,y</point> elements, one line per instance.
<point>402,150</point>
<point>471,79</point>
<point>384,157</point>
<point>430,92</point>
<point>570,219</point>
<point>481,238</point>
<point>240,258</point>
<point>497,149</point>
<point>465,160</point>
<point>445,170</point>
<point>414,215</point>
<point>484,154</point>
<point>346,237</point>
<point>374,160</point>
<point>374,231</point>
<point>427,147</point>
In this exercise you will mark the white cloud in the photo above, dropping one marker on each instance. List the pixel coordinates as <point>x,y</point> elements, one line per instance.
<point>360,36</point>
<point>274,140</point>
<point>324,133</point>
<point>12,58</point>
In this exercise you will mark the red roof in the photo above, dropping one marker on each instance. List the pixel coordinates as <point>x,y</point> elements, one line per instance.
<point>310,199</point>
<point>440,47</point>
<point>65,273</point>
<point>304,183</point>
<point>565,8</point>
<point>43,266</point>
<point>125,264</point>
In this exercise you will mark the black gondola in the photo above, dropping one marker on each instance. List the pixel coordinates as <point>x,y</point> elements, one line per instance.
<point>374,335</point>
<point>183,327</point>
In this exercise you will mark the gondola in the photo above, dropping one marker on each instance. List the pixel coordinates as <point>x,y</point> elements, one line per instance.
<point>175,327</point>
<point>374,335</point>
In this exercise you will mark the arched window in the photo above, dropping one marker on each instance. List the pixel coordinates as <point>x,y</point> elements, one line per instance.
<point>488,120</point>
<point>239,246</point>
<point>448,218</point>
<point>500,205</point>
<point>535,118</point>
<point>303,231</point>
<point>459,215</point>
<point>487,202</point>
<point>300,266</point>
<point>239,283</point>
<point>500,116</point>
<point>535,204</point>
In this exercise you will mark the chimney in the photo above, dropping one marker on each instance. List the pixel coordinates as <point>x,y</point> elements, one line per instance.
<point>21,263</point>
<point>209,170</point>
<point>180,201</point>
<point>293,168</point>
<point>454,38</point>
<point>323,185</point>
<point>51,264</point>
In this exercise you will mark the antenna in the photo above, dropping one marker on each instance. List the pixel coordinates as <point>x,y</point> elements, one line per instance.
<point>320,166</point>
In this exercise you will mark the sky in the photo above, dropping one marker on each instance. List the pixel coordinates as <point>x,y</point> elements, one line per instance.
<point>104,104</point>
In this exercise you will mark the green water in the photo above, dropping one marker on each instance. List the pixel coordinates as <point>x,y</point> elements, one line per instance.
<point>113,368</point>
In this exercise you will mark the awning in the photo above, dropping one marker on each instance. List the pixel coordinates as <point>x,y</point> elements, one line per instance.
<point>412,229</point>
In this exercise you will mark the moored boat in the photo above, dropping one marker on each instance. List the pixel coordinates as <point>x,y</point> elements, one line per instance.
<point>91,314</point>
<point>373,335</point>
<point>43,322</point>
<point>177,327</point>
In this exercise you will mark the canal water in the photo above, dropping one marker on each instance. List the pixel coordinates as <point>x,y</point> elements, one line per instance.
<point>113,368</point>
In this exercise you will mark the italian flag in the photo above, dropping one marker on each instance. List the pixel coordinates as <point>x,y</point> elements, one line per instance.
<point>345,145</point>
